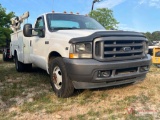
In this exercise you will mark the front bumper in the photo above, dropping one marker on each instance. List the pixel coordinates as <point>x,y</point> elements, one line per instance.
<point>84,72</point>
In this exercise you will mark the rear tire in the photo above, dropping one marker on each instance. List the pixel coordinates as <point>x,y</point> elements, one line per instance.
<point>60,82</point>
<point>4,57</point>
<point>28,67</point>
<point>19,66</point>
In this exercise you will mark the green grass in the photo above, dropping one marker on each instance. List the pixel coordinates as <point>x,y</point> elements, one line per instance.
<point>110,103</point>
<point>127,100</point>
<point>93,113</point>
<point>10,92</point>
<point>5,116</point>
<point>42,101</point>
<point>146,117</point>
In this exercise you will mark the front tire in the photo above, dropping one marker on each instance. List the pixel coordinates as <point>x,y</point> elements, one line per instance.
<point>60,82</point>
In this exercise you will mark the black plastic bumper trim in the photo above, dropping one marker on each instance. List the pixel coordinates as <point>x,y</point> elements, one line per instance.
<point>85,70</point>
<point>86,85</point>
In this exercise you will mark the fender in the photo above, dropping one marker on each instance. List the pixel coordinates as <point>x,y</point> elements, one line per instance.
<point>59,49</point>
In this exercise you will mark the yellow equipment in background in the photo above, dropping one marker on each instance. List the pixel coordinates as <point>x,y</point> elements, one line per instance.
<point>156,56</point>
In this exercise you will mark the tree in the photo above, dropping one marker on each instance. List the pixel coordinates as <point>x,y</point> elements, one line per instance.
<point>5,31</point>
<point>105,17</point>
<point>149,36</point>
<point>155,36</point>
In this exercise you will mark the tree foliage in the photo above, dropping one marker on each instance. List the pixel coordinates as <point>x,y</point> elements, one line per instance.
<point>105,17</point>
<point>155,36</point>
<point>4,25</point>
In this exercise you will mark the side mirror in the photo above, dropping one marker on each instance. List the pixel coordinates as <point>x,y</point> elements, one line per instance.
<point>27,30</point>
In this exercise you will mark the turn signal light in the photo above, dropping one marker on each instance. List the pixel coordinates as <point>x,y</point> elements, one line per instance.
<point>71,55</point>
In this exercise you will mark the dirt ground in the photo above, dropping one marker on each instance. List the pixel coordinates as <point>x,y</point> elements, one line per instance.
<point>29,96</point>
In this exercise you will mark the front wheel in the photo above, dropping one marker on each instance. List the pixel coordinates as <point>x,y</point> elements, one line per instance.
<point>59,79</point>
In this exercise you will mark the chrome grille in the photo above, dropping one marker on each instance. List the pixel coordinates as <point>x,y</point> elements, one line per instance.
<point>119,48</point>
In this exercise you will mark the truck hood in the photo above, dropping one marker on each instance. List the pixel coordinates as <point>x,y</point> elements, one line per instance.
<point>67,35</point>
<point>111,33</point>
<point>77,33</point>
<point>74,36</point>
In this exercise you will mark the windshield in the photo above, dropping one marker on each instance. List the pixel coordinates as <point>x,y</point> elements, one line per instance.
<point>70,21</point>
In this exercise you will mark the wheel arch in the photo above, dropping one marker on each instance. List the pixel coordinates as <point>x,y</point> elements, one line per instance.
<point>54,54</point>
<point>51,56</point>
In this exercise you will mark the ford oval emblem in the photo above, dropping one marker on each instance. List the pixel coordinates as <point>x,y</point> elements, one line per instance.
<point>126,49</point>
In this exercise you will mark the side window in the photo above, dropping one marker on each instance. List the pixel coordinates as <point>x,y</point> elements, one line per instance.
<point>39,24</point>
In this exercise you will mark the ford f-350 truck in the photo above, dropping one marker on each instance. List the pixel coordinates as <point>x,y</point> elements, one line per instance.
<point>79,53</point>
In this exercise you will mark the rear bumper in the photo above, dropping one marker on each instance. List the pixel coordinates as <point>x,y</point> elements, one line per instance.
<point>84,73</point>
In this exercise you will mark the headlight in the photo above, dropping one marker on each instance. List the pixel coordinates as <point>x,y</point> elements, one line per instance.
<point>81,50</point>
<point>145,45</point>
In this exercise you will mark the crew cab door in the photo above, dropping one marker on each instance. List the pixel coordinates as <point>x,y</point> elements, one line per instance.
<point>37,44</point>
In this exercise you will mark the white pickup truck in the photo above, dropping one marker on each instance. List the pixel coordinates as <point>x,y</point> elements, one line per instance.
<point>79,53</point>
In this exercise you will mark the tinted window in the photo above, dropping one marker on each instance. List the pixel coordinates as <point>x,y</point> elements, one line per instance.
<point>70,21</point>
<point>64,23</point>
<point>39,23</point>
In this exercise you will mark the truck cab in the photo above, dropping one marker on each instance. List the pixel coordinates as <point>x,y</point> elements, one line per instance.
<point>79,53</point>
<point>55,32</point>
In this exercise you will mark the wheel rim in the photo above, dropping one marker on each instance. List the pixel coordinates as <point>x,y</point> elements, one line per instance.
<point>57,77</point>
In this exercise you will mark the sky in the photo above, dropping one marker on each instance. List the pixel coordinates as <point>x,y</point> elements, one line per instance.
<point>132,15</point>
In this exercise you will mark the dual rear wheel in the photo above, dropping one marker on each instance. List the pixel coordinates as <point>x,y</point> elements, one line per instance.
<point>4,57</point>
<point>20,67</point>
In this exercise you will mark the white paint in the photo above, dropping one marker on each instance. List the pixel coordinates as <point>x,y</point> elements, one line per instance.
<point>38,52</point>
